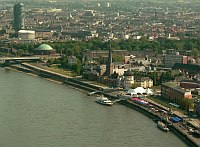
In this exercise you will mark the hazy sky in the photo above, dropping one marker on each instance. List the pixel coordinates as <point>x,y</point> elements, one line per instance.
<point>103,0</point>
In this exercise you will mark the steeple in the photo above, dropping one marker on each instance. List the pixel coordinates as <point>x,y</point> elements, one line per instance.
<point>110,54</point>
<point>109,66</point>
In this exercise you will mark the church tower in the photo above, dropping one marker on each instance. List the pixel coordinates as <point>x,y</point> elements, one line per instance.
<point>109,65</point>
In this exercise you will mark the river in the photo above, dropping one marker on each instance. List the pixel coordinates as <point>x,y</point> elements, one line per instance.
<point>38,113</point>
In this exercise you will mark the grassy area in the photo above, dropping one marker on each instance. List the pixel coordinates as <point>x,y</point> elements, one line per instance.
<point>165,103</point>
<point>161,101</point>
<point>61,71</point>
<point>55,69</point>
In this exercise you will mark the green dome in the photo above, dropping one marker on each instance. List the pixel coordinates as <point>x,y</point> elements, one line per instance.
<point>45,47</point>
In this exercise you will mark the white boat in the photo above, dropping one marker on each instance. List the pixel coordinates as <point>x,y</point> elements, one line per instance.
<point>162,126</point>
<point>92,93</point>
<point>104,100</point>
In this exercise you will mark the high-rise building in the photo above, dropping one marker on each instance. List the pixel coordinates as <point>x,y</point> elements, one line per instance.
<point>18,13</point>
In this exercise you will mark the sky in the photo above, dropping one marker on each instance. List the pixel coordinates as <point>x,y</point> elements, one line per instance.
<point>104,0</point>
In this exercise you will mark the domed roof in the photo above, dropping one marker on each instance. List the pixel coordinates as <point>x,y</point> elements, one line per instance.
<point>45,47</point>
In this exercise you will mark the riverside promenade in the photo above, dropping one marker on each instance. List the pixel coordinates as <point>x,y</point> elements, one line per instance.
<point>181,130</point>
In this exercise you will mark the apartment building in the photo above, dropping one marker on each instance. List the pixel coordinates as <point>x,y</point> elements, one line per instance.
<point>171,58</point>
<point>173,92</point>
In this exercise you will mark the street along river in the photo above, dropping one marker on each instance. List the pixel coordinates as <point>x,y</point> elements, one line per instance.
<point>38,113</point>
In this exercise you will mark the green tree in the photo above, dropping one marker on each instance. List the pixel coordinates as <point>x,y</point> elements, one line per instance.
<point>195,53</point>
<point>78,67</point>
<point>118,58</point>
<point>50,61</point>
<point>20,52</point>
<point>69,52</point>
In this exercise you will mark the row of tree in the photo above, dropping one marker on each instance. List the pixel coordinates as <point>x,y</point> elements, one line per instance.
<point>77,47</point>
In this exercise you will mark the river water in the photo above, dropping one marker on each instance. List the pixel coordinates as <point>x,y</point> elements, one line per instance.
<point>38,113</point>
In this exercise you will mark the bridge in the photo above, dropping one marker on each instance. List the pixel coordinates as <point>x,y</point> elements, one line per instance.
<point>7,60</point>
<point>18,58</point>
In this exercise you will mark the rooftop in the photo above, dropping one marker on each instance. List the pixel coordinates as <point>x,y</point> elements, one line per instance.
<point>44,47</point>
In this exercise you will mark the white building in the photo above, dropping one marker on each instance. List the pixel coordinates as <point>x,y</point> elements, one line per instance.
<point>26,36</point>
<point>146,82</point>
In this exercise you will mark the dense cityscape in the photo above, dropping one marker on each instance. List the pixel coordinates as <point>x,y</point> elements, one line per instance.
<point>146,49</point>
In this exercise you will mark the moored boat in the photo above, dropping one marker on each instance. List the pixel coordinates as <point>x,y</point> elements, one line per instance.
<point>104,100</point>
<point>92,93</point>
<point>162,126</point>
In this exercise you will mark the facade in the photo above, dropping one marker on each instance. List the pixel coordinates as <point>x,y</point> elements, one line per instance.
<point>103,55</point>
<point>128,59</point>
<point>18,14</point>
<point>170,60</point>
<point>120,71</point>
<point>43,34</point>
<point>173,92</point>
<point>26,35</point>
<point>146,82</point>
<point>129,79</point>
<point>102,69</point>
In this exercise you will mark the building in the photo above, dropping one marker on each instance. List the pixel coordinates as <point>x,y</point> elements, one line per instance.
<point>102,56</point>
<point>89,13</point>
<point>71,60</point>
<point>44,34</point>
<point>173,92</point>
<point>170,60</point>
<point>170,57</point>
<point>190,84</point>
<point>119,68</point>
<point>129,59</point>
<point>129,79</point>
<point>44,49</point>
<point>18,13</point>
<point>146,82</point>
<point>26,36</point>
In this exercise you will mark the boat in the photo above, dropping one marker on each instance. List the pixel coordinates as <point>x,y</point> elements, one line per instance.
<point>92,93</point>
<point>162,126</point>
<point>104,100</point>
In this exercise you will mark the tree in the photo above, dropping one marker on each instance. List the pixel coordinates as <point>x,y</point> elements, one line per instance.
<point>195,53</point>
<point>117,58</point>
<point>50,61</point>
<point>78,67</point>
<point>153,76</point>
<point>20,52</point>
<point>166,77</point>
<point>69,52</point>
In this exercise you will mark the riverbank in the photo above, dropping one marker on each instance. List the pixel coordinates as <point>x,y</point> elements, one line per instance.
<point>87,86</point>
